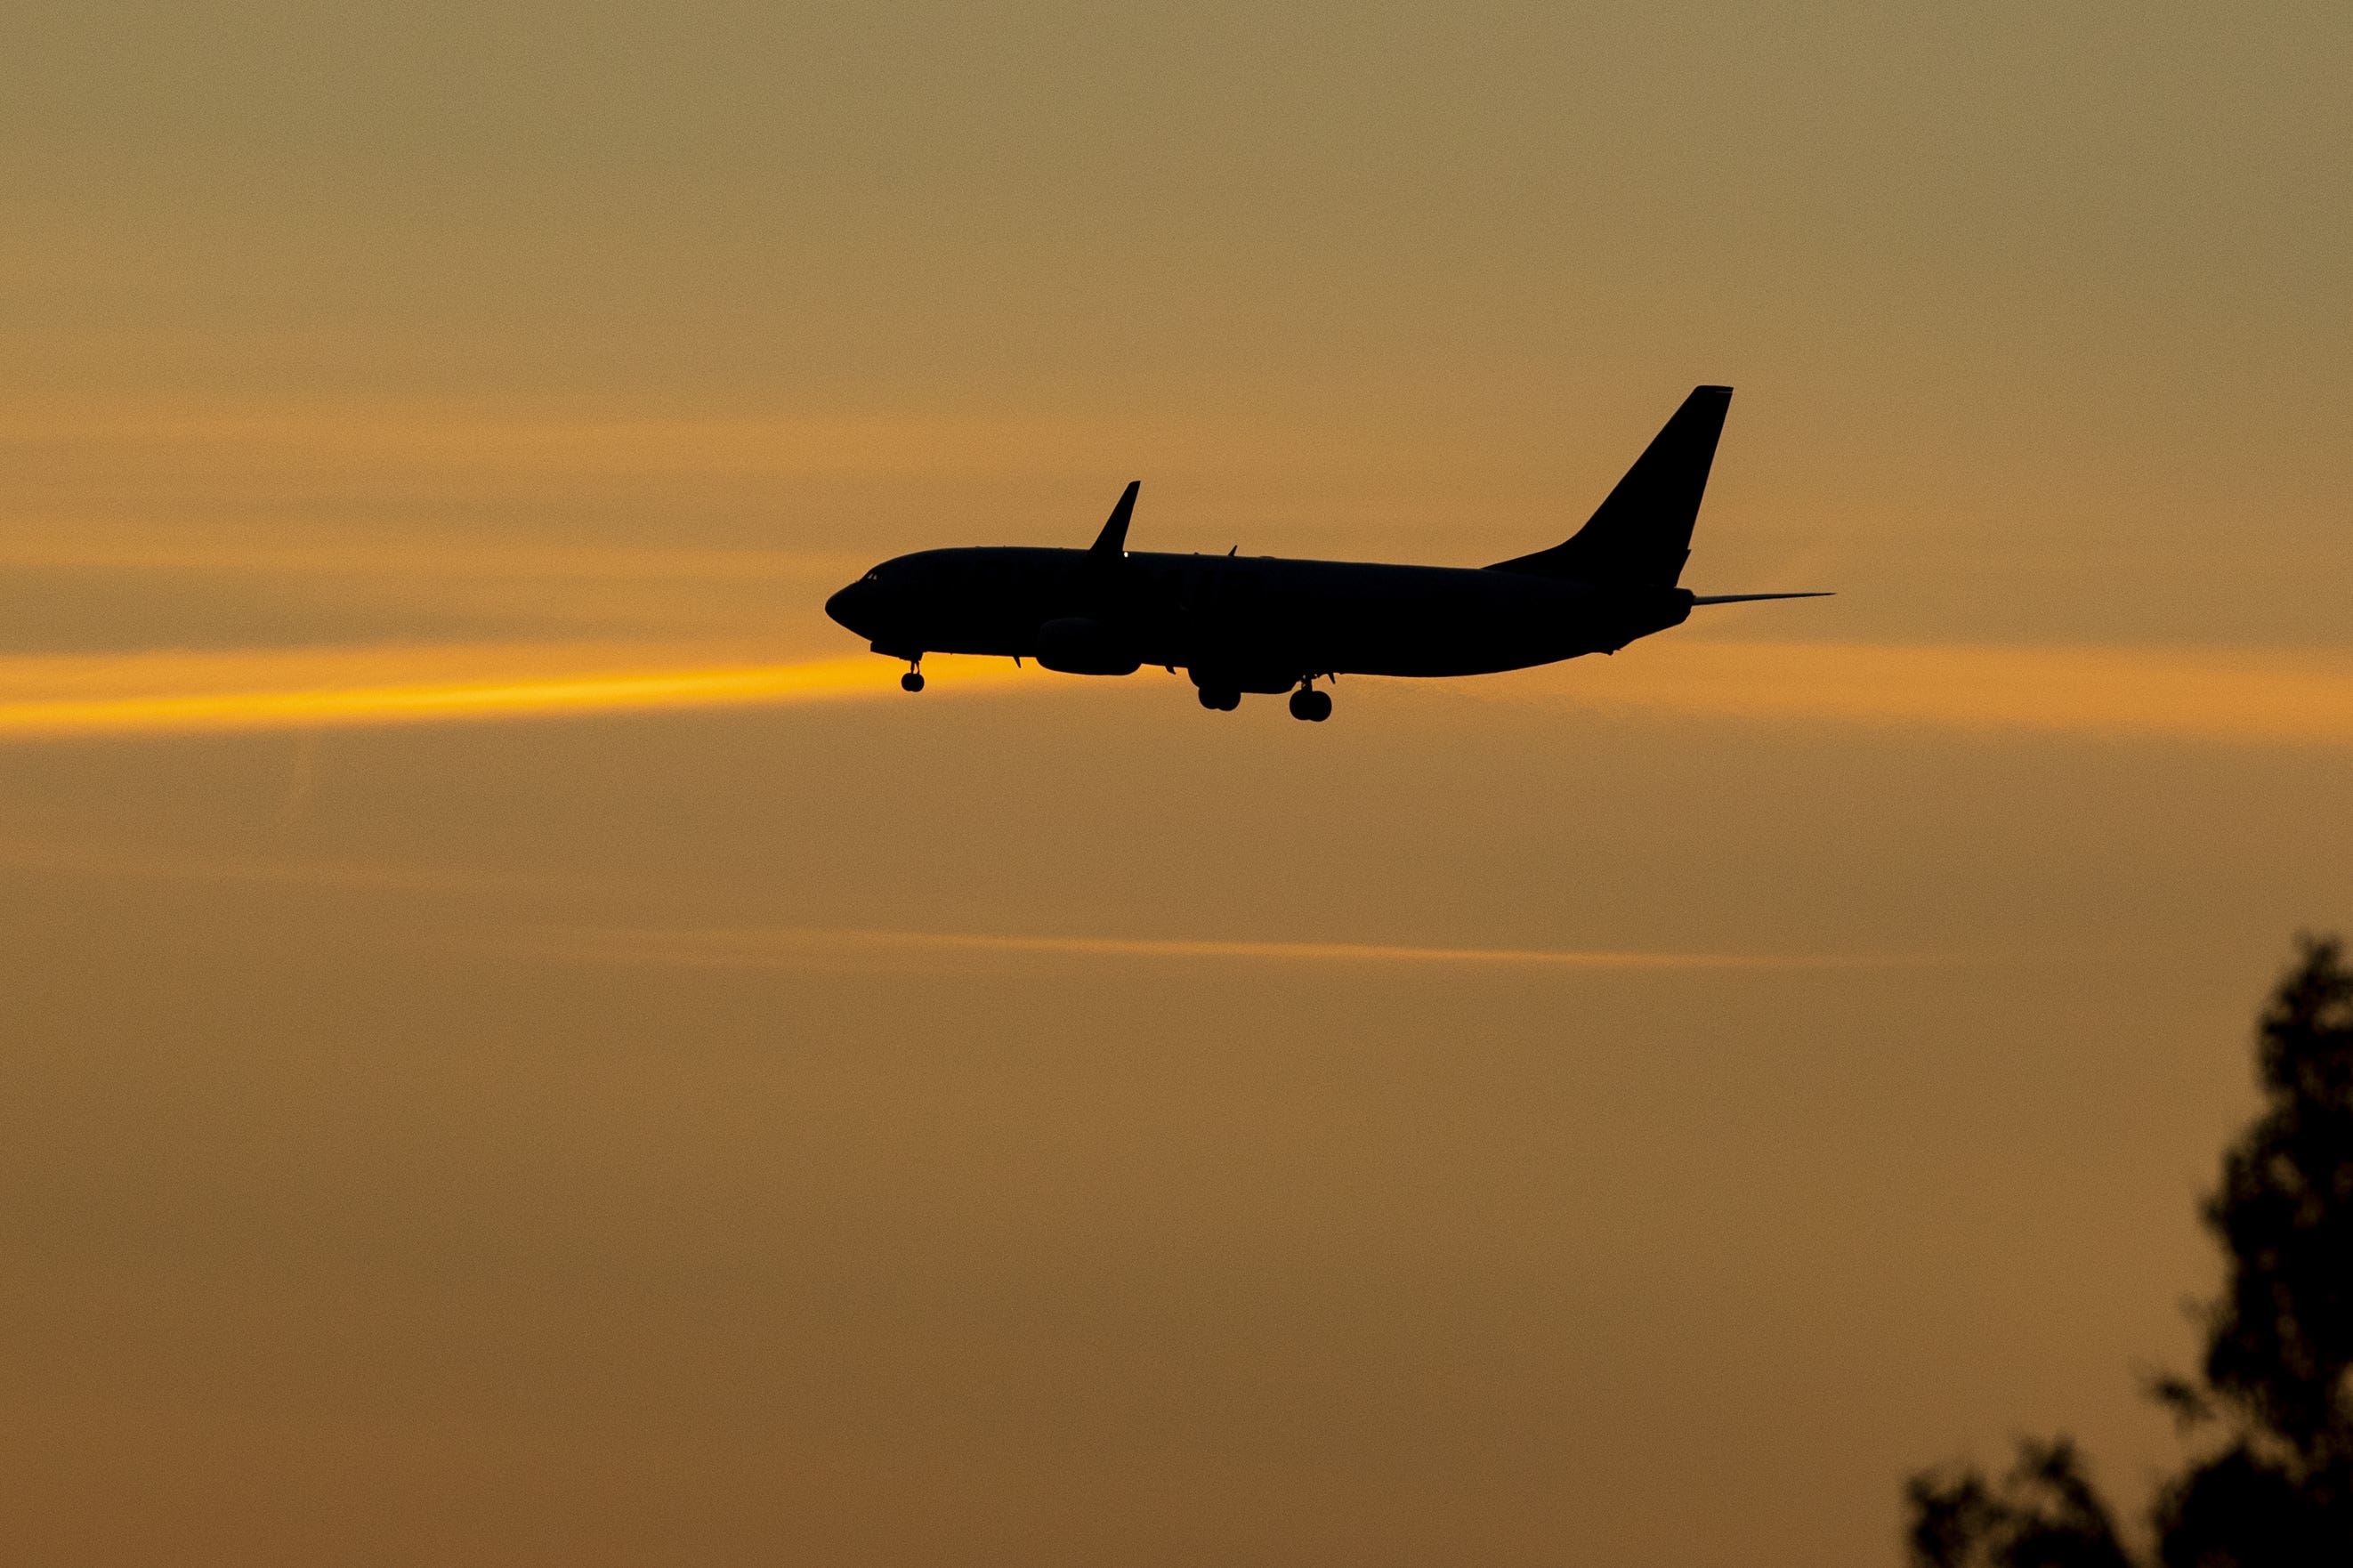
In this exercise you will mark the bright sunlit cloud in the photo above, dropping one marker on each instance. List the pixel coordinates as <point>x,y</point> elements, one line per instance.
<point>298,688</point>
<point>2207,695</point>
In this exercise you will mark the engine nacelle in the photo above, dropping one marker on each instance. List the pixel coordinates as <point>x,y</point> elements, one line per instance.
<point>1076,645</point>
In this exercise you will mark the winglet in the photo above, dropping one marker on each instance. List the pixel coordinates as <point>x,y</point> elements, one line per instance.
<point>1111,543</point>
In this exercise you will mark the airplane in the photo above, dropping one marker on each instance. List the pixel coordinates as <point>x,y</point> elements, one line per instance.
<point>1265,624</point>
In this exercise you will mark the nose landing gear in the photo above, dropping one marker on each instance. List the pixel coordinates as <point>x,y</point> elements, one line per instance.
<point>1310,704</point>
<point>913,679</point>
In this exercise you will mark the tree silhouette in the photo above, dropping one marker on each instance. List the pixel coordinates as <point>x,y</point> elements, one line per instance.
<point>2269,1483</point>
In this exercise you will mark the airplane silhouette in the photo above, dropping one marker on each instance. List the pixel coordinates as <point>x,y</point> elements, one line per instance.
<point>1265,623</point>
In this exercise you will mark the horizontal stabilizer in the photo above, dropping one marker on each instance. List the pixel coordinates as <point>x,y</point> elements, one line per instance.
<point>1752,598</point>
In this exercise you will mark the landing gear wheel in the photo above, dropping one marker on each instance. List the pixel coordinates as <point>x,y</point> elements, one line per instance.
<point>911,682</point>
<point>1219,700</point>
<point>1311,705</point>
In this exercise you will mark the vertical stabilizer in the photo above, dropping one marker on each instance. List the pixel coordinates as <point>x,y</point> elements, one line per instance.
<point>1641,533</point>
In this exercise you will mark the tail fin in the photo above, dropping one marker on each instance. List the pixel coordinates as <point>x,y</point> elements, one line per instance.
<point>1641,533</point>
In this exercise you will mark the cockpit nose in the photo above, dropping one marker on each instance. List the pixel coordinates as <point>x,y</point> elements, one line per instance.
<point>845,607</point>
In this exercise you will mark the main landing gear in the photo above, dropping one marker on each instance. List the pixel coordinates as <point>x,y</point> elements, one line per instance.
<point>913,679</point>
<point>1306,703</point>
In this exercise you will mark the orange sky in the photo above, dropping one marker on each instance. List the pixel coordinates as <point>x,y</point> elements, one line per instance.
<point>525,1047</point>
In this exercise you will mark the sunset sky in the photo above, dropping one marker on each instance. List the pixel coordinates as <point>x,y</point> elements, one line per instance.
<point>521,1045</point>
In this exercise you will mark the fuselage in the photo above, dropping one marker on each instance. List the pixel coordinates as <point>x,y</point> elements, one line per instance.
<point>1242,622</point>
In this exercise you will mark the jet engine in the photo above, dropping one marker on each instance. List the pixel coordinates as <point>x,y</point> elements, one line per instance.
<point>1076,645</point>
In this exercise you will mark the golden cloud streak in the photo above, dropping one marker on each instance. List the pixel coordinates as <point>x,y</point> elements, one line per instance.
<point>2209,695</point>
<point>791,947</point>
<point>166,694</point>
